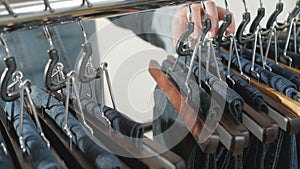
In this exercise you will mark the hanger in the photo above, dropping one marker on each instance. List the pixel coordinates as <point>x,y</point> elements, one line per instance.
<point>181,46</point>
<point>241,38</point>
<point>21,89</point>
<point>272,19</point>
<point>87,71</point>
<point>229,128</point>
<point>54,68</point>
<point>260,15</point>
<point>129,154</point>
<point>189,116</point>
<point>193,120</point>
<point>8,8</point>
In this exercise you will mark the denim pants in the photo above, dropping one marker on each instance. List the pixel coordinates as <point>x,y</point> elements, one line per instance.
<point>271,79</point>
<point>133,131</point>
<point>291,76</point>
<point>36,148</point>
<point>97,155</point>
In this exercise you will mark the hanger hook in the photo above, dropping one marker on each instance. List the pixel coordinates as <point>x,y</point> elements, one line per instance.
<point>245,5</point>
<point>190,16</point>
<point>7,52</point>
<point>204,9</point>
<point>261,3</point>
<point>83,31</point>
<point>48,36</point>
<point>227,6</point>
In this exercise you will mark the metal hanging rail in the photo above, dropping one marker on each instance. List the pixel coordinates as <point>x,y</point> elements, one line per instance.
<point>29,15</point>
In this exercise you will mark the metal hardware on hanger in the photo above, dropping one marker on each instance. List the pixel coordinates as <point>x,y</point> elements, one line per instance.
<point>254,54</point>
<point>8,8</point>
<point>70,82</point>
<point>47,5</point>
<point>198,50</point>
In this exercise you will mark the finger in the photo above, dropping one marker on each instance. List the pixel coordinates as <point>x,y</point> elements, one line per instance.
<point>231,27</point>
<point>212,12</point>
<point>196,18</point>
<point>179,24</point>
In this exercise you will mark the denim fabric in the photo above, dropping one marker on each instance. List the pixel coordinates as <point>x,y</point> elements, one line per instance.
<point>122,124</point>
<point>199,98</point>
<point>94,153</point>
<point>282,153</point>
<point>234,102</point>
<point>36,148</point>
<point>4,161</point>
<point>167,124</point>
<point>271,79</point>
<point>165,117</point>
<point>247,53</point>
<point>250,94</point>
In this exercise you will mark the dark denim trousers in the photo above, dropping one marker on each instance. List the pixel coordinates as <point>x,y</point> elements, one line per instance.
<point>132,130</point>
<point>234,102</point>
<point>250,94</point>
<point>94,153</point>
<point>271,79</point>
<point>294,56</point>
<point>36,148</point>
<point>291,76</point>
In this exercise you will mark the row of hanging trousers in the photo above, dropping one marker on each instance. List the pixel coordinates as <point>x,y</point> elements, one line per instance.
<point>281,153</point>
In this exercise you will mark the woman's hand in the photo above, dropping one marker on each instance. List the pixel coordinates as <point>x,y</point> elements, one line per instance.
<point>214,12</point>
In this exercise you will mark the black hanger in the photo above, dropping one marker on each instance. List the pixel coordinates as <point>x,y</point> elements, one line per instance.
<point>260,15</point>
<point>241,38</point>
<point>83,62</point>
<point>294,12</point>
<point>275,14</point>
<point>51,65</point>
<point>8,93</point>
<point>181,48</point>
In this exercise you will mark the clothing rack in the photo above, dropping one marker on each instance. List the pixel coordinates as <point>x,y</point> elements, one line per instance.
<point>29,15</point>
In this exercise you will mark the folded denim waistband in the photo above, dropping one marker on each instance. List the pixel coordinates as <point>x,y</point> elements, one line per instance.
<point>36,148</point>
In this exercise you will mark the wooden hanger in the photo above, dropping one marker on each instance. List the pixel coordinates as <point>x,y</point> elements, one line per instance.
<point>280,107</point>
<point>129,154</point>
<point>193,121</point>
<point>233,135</point>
